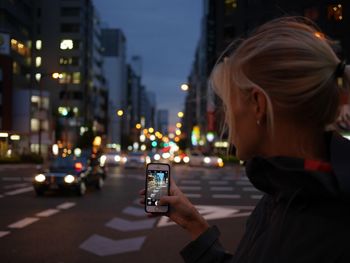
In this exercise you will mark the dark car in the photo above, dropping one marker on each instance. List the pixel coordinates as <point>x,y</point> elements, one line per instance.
<point>69,173</point>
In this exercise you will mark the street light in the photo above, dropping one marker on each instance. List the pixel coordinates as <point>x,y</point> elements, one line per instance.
<point>120,113</point>
<point>180,114</point>
<point>184,87</point>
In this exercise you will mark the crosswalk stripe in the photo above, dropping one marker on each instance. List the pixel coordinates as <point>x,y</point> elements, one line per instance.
<point>218,182</point>
<point>193,195</point>
<point>4,233</point>
<point>66,205</point>
<point>191,188</point>
<point>256,196</point>
<point>222,196</point>
<point>221,188</point>
<point>190,182</point>
<point>250,189</point>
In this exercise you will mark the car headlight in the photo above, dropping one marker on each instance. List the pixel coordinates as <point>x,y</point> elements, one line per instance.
<point>156,157</point>
<point>207,160</point>
<point>103,159</point>
<point>186,159</point>
<point>220,160</point>
<point>177,159</point>
<point>117,158</point>
<point>40,178</point>
<point>69,178</point>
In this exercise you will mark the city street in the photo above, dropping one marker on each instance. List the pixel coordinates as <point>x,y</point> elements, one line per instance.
<point>109,225</point>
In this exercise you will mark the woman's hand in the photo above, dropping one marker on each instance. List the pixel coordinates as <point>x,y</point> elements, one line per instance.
<point>182,211</point>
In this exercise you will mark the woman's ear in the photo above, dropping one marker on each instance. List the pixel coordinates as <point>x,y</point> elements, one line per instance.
<point>259,102</point>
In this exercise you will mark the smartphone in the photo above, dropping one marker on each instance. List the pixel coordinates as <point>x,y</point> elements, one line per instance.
<point>157,185</point>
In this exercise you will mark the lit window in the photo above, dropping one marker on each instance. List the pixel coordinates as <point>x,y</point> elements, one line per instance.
<point>34,124</point>
<point>66,44</point>
<point>335,12</point>
<point>35,99</point>
<point>65,78</point>
<point>76,77</point>
<point>63,111</point>
<point>38,44</point>
<point>38,76</point>
<point>38,62</point>
<point>19,47</point>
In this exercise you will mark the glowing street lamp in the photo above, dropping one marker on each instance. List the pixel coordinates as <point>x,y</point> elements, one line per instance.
<point>120,113</point>
<point>184,87</point>
<point>178,125</point>
<point>138,126</point>
<point>151,130</point>
<point>180,114</point>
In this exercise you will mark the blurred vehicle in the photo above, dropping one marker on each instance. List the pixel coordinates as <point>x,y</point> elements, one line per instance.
<point>69,173</point>
<point>199,159</point>
<point>135,160</point>
<point>181,158</point>
<point>111,159</point>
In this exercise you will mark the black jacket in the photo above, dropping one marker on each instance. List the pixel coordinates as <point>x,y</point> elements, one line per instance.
<point>304,215</point>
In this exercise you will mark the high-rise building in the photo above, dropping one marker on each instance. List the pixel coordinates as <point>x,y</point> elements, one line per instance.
<point>67,41</point>
<point>114,52</point>
<point>24,105</point>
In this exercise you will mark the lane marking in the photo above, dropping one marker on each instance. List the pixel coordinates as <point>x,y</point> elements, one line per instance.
<point>210,213</point>
<point>12,179</point>
<point>243,183</point>
<point>4,233</point>
<point>250,189</point>
<point>219,196</point>
<point>194,188</point>
<point>102,246</point>
<point>190,182</point>
<point>218,182</point>
<point>20,191</point>
<point>47,213</point>
<point>193,195</point>
<point>24,222</point>
<point>133,211</point>
<point>131,225</point>
<point>15,186</point>
<point>27,179</point>
<point>1,196</point>
<point>66,205</point>
<point>221,188</point>
<point>256,196</point>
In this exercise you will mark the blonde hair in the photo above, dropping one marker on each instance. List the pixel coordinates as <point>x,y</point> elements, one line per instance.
<point>292,62</point>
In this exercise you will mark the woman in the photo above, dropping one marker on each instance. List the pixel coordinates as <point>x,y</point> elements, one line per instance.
<point>281,89</point>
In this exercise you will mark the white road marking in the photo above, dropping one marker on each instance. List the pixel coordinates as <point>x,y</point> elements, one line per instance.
<point>256,196</point>
<point>15,185</point>
<point>210,213</point>
<point>218,182</point>
<point>27,179</point>
<point>221,188</point>
<point>4,233</point>
<point>65,205</point>
<point>243,183</point>
<point>193,195</point>
<point>250,189</point>
<point>12,179</point>
<point>47,213</point>
<point>20,191</point>
<point>226,196</point>
<point>191,188</point>
<point>24,222</point>
<point>1,196</point>
<point>190,182</point>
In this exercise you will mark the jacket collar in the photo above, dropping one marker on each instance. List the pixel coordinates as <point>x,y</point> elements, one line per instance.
<point>285,176</point>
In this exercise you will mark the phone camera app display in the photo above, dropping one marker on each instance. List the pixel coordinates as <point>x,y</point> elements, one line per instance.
<point>157,186</point>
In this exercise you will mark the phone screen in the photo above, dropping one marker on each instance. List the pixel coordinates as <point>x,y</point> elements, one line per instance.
<point>157,186</point>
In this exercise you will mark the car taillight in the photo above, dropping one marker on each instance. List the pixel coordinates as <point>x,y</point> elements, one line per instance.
<point>78,167</point>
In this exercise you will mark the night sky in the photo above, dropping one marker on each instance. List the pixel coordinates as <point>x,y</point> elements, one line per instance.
<point>165,34</point>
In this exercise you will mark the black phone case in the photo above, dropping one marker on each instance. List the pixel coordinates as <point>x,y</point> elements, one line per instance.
<point>146,186</point>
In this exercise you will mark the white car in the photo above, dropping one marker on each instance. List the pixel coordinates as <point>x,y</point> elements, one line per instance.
<point>199,159</point>
<point>111,159</point>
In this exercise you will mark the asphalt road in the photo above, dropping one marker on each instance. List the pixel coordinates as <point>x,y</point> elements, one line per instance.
<point>109,225</point>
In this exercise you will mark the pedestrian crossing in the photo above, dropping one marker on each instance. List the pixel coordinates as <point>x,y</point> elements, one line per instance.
<point>218,187</point>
